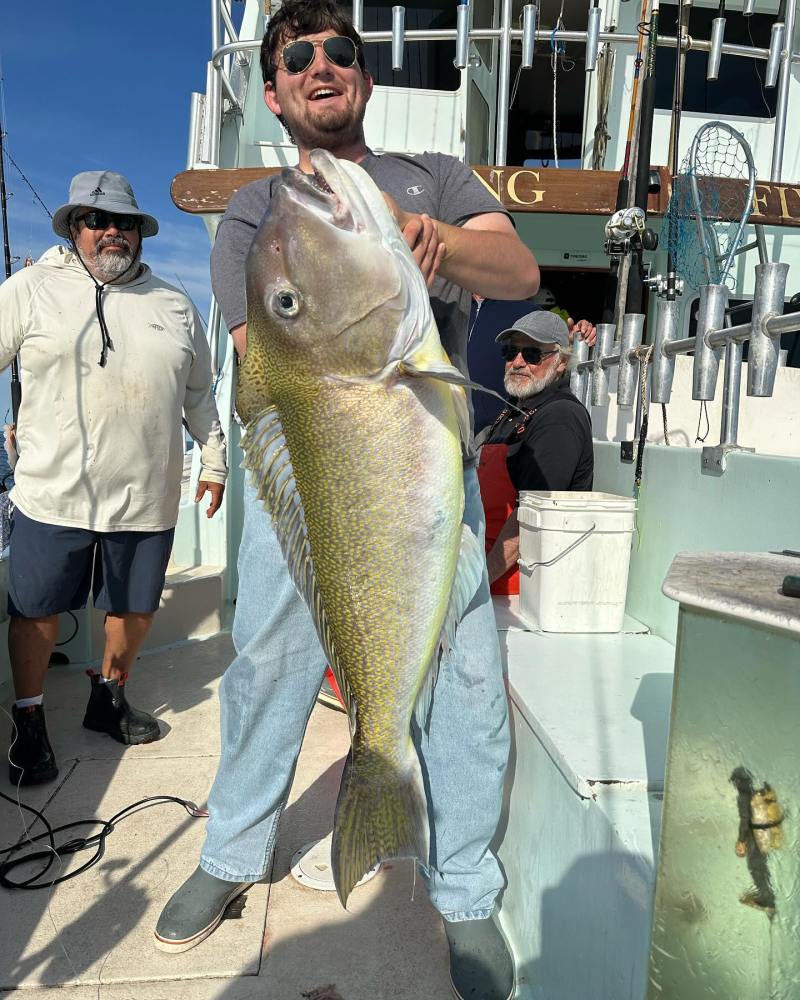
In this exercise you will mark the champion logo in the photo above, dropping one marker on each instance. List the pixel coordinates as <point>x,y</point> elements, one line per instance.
<point>97,191</point>
<point>415,190</point>
<point>155,326</point>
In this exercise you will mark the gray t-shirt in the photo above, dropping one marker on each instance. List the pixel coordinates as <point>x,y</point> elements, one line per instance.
<point>431,183</point>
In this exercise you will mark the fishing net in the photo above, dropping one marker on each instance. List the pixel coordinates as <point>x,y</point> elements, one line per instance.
<point>711,201</point>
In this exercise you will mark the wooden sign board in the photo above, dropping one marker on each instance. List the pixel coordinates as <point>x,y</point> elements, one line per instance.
<point>518,189</point>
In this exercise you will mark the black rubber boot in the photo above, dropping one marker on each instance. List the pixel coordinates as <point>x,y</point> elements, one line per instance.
<point>481,966</point>
<point>108,711</point>
<point>195,910</point>
<point>32,760</point>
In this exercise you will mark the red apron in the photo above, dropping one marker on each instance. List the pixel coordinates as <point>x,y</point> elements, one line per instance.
<point>499,502</point>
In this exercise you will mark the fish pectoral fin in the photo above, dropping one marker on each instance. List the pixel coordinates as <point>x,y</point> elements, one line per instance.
<point>266,457</point>
<point>468,578</point>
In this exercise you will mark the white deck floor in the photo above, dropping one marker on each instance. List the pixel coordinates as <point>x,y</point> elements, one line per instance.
<point>94,934</point>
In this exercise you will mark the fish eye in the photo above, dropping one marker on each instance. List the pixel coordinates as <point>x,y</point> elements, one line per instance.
<point>286,302</point>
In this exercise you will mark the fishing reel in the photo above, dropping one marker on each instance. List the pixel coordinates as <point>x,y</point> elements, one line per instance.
<point>627,231</point>
<point>661,285</point>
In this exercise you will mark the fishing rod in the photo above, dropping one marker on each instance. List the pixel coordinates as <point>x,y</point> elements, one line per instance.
<point>614,244</point>
<point>643,238</point>
<point>16,385</point>
<point>684,12</point>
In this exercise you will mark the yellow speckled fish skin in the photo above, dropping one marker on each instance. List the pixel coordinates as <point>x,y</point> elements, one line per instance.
<point>376,458</point>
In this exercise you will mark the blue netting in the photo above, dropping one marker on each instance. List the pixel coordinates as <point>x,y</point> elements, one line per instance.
<point>718,161</point>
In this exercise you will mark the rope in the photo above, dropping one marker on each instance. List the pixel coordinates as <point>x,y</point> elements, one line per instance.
<point>643,354</point>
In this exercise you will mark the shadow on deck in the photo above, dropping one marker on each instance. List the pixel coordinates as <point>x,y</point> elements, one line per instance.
<point>94,934</point>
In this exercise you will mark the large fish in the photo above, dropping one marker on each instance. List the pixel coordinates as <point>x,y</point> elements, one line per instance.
<point>354,424</point>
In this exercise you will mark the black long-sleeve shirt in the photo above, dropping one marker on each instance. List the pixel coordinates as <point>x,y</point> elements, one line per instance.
<point>551,448</point>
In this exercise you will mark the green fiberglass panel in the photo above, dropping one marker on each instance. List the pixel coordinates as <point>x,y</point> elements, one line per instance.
<point>727,908</point>
<point>752,506</point>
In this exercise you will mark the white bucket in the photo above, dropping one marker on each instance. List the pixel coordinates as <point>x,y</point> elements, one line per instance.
<point>574,553</point>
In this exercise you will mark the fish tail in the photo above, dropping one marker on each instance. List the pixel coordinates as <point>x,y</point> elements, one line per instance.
<point>381,813</point>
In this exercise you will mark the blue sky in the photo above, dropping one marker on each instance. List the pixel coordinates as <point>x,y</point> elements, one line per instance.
<point>92,85</point>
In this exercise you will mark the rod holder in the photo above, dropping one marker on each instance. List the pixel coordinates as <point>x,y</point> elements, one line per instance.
<point>462,36</point>
<point>663,367</point>
<point>398,37</point>
<point>592,37</point>
<point>710,317</point>
<point>632,335</point>
<point>603,349</point>
<point>749,7</point>
<point>715,53</point>
<point>529,15</point>
<point>775,52</point>
<point>762,358</point>
<point>578,379</point>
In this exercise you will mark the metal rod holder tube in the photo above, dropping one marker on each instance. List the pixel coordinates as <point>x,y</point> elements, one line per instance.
<point>632,334</point>
<point>710,317</point>
<point>398,37</point>
<point>731,392</point>
<point>775,50</point>
<point>714,56</point>
<point>749,7</point>
<point>782,103</point>
<point>529,14</point>
<point>462,36</point>
<point>603,349</point>
<point>592,38</point>
<point>504,79</point>
<point>762,358</point>
<point>662,368</point>
<point>358,15</point>
<point>578,377</point>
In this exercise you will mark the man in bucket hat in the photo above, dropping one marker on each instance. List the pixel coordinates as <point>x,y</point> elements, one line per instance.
<point>111,358</point>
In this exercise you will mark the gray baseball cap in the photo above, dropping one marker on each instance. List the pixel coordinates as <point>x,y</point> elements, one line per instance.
<point>540,326</point>
<point>101,189</point>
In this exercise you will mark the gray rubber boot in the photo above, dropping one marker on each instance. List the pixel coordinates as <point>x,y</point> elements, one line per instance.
<point>195,910</point>
<point>481,966</point>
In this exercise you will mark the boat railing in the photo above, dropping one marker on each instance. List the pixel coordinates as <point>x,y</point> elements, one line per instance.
<point>590,375</point>
<point>205,135</point>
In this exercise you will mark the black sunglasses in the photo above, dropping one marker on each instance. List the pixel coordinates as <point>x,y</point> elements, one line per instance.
<point>339,49</point>
<point>98,219</point>
<point>530,355</point>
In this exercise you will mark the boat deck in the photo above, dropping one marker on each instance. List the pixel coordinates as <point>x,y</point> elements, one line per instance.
<point>94,934</point>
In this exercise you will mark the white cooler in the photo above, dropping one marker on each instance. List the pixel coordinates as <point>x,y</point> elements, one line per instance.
<point>574,556</point>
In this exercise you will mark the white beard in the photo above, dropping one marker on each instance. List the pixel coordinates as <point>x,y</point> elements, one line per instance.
<point>529,385</point>
<point>108,266</point>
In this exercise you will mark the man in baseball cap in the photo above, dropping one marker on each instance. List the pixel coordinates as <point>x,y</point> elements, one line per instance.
<point>547,446</point>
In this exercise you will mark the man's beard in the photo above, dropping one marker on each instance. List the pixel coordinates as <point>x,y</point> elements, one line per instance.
<point>530,385</point>
<point>109,266</point>
<point>313,132</point>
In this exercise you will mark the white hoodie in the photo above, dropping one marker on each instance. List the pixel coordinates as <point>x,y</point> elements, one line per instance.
<point>102,448</point>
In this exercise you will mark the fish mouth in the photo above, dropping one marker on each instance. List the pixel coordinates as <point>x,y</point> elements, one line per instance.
<point>314,193</point>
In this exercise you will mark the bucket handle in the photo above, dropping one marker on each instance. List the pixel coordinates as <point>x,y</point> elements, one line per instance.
<point>530,566</point>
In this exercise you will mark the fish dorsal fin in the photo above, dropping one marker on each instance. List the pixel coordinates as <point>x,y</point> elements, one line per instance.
<point>469,577</point>
<point>267,459</point>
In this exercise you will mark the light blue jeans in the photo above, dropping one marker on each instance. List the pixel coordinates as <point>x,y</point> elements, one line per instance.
<point>267,695</point>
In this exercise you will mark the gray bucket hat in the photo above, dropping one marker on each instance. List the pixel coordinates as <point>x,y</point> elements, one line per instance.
<point>101,189</point>
<point>541,327</point>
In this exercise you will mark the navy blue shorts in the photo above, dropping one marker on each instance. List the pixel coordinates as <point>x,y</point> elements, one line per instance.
<point>52,568</point>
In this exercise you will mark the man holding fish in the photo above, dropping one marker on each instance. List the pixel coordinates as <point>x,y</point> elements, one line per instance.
<point>371,555</point>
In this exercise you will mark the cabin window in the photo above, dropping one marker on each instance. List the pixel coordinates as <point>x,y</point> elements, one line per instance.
<point>740,90</point>
<point>426,65</point>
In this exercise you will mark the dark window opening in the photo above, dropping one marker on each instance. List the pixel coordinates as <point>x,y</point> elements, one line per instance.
<point>426,65</point>
<point>740,88</point>
<point>530,120</point>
